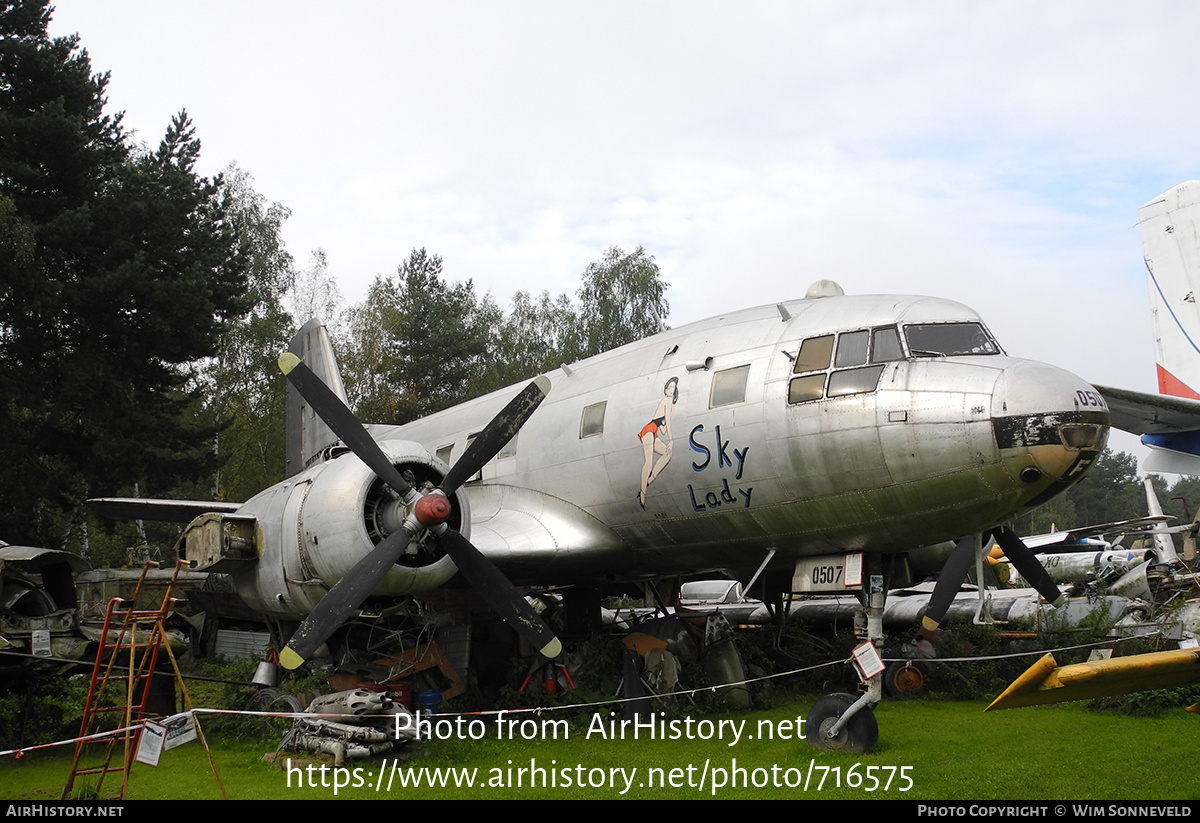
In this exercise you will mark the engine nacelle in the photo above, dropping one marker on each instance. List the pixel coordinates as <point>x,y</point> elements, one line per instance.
<point>316,526</point>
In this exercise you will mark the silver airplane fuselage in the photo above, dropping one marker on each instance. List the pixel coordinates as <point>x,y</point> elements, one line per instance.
<point>819,426</point>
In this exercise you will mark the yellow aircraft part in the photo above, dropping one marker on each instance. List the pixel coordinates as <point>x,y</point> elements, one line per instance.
<point>1047,682</point>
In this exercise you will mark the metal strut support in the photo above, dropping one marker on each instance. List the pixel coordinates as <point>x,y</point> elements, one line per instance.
<point>874,598</point>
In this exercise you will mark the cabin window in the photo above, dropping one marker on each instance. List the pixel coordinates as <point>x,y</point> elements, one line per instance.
<point>591,422</point>
<point>479,474</point>
<point>509,449</point>
<point>444,453</point>
<point>729,386</point>
<point>815,353</point>
<point>949,339</point>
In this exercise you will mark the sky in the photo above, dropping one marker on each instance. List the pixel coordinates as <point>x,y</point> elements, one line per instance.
<point>990,153</point>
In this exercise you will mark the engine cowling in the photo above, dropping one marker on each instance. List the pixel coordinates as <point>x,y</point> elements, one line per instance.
<point>316,526</point>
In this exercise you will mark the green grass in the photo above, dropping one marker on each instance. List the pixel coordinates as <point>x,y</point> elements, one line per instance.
<point>953,751</point>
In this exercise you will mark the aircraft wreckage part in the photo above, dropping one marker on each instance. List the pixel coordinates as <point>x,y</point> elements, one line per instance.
<point>350,703</point>
<point>1085,566</point>
<point>1016,606</point>
<point>341,731</point>
<point>356,585</point>
<point>1046,682</point>
<point>903,679</point>
<point>723,665</point>
<point>858,736</point>
<point>1028,565</point>
<point>340,750</point>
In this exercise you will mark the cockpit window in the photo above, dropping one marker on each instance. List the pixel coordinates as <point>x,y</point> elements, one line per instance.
<point>949,339</point>
<point>854,368</point>
<point>815,353</point>
<point>851,349</point>
<point>885,345</point>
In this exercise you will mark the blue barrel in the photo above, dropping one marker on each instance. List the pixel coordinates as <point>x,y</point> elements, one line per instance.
<point>427,702</point>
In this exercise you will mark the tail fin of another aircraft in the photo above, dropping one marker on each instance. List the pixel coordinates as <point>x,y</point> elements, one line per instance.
<point>1164,543</point>
<point>1171,246</point>
<point>307,434</point>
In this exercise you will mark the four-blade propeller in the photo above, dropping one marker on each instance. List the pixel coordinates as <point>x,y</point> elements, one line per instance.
<point>952,574</point>
<point>427,512</point>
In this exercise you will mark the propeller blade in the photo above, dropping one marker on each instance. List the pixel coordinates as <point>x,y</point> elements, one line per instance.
<point>330,408</point>
<point>503,427</point>
<point>1026,562</point>
<point>949,581</point>
<point>505,601</point>
<point>346,596</point>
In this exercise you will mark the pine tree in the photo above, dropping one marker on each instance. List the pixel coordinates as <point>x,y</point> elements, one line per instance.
<point>420,344</point>
<point>126,270</point>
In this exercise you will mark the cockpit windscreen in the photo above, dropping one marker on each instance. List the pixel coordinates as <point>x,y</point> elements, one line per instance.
<point>949,339</point>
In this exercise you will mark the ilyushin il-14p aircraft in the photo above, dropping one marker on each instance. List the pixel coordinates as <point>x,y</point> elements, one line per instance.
<point>815,441</point>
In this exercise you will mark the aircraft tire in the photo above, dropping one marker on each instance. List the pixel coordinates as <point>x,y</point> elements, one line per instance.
<point>858,737</point>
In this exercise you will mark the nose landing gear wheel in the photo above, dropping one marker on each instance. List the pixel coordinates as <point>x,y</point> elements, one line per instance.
<point>857,737</point>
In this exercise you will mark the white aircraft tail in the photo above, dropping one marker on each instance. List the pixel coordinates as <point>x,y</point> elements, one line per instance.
<point>1170,226</point>
<point>1164,543</point>
<point>1171,246</point>
<point>307,434</point>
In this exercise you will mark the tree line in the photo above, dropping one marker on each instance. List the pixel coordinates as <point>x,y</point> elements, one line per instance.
<point>143,305</point>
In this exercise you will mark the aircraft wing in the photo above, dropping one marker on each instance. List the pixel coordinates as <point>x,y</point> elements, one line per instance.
<point>1142,413</point>
<point>1169,425</point>
<point>164,511</point>
<point>1047,682</point>
<point>1076,539</point>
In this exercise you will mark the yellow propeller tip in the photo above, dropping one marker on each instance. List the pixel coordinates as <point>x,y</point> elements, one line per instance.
<point>287,362</point>
<point>289,659</point>
<point>552,649</point>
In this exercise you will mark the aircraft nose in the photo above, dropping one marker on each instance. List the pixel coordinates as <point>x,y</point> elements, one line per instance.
<point>1055,418</point>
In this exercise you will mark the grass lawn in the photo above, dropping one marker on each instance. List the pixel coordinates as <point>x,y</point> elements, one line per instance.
<point>949,750</point>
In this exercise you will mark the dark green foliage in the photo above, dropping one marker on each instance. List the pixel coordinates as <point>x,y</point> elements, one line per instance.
<point>34,711</point>
<point>242,383</point>
<point>537,336</point>
<point>622,299</point>
<point>418,343</point>
<point>125,272</point>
